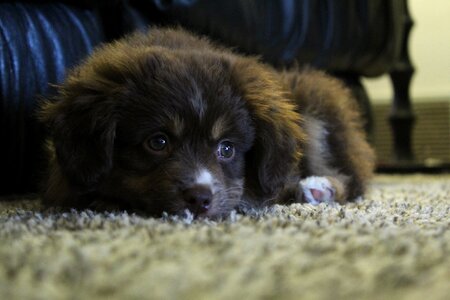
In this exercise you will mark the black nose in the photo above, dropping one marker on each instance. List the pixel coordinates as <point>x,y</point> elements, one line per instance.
<point>198,198</point>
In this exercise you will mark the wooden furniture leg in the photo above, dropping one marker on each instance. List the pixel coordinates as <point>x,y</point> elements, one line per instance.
<point>402,117</point>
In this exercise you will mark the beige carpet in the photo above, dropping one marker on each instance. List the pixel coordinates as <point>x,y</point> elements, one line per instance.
<point>393,245</point>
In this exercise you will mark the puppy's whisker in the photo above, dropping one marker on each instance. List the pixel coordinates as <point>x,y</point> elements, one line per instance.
<point>269,201</point>
<point>231,189</point>
<point>170,176</point>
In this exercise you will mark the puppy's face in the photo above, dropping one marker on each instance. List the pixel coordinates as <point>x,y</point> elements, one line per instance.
<point>165,131</point>
<point>180,141</point>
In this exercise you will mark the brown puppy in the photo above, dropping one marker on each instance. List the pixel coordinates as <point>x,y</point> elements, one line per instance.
<point>168,122</point>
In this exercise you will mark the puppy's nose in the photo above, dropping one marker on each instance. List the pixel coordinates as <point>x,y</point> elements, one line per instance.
<point>198,198</point>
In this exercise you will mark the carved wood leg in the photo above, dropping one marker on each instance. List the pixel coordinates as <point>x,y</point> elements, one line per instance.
<point>402,117</point>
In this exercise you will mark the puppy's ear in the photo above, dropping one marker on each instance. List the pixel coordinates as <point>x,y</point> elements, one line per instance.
<point>81,122</point>
<point>277,149</point>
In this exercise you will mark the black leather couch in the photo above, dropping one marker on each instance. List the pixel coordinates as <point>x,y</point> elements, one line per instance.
<point>39,40</point>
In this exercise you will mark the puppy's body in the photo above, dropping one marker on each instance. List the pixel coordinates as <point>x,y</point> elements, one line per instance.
<point>166,121</point>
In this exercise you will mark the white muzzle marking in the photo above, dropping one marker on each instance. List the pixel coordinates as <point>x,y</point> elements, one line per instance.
<point>205,178</point>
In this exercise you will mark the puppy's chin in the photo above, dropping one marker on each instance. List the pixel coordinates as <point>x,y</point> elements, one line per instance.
<point>145,208</point>
<point>214,216</point>
<point>170,203</point>
<point>220,208</point>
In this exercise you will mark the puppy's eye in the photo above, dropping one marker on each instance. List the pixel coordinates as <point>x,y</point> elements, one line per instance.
<point>225,150</point>
<point>157,143</point>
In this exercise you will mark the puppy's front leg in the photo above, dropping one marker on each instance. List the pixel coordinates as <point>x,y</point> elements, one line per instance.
<point>337,161</point>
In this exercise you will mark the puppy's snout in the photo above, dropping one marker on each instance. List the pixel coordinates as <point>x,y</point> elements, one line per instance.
<point>198,198</point>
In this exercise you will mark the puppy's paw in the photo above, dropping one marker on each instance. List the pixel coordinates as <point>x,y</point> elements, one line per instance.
<point>318,190</point>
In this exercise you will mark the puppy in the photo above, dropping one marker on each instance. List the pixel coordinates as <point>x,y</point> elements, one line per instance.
<point>167,122</point>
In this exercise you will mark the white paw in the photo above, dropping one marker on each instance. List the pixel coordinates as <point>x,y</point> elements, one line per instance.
<point>317,190</point>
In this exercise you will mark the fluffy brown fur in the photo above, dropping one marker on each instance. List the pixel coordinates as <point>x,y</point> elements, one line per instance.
<point>167,121</point>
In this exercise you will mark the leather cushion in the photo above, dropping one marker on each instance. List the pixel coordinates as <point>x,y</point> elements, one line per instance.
<point>38,43</point>
<point>353,36</point>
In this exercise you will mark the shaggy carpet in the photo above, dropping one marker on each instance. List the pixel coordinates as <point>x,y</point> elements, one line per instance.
<point>395,244</point>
